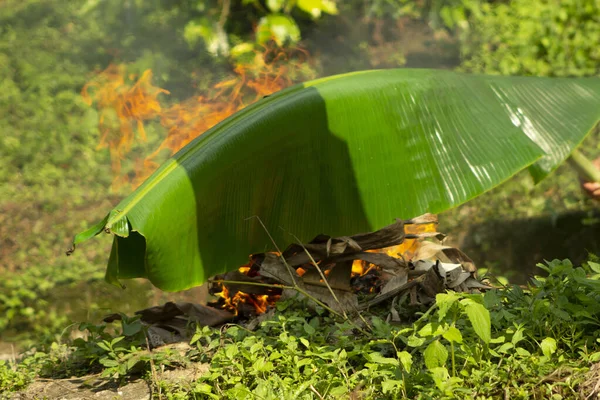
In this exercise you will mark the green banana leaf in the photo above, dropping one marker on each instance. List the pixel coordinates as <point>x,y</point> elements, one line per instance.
<point>340,155</point>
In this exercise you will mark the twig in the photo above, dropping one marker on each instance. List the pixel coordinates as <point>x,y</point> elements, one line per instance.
<point>224,13</point>
<point>290,271</point>
<point>271,285</point>
<point>88,377</point>
<point>316,392</point>
<point>154,375</point>
<point>314,263</point>
<point>297,288</point>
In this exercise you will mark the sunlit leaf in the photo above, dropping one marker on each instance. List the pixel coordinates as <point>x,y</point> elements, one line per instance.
<point>453,335</point>
<point>415,341</point>
<point>548,346</point>
<point>517,336</point>
<point>305,342</point>
<point>505,348</point>
<point>107,362</point>
<point>379,359</point>
<point>406,360</point>
<point>275,5</point>
<point>444,301</point>
<point>390,385</point>
<point>479,317</point>
<point>316,7</point>
<point>594,266</point>
<point>435,355</point>
<point>522,352</point>
<point>440,376</point>
<point>279,27</point>
<point>231,351</point>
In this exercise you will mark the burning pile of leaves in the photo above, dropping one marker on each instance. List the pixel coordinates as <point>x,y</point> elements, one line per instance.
<point>346,275</point>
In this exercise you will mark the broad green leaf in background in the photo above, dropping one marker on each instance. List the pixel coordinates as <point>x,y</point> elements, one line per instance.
<point>279,27</point>
<point>548,346</point>
<point>435,355</point>
<point>480,319</point>
<point>341,155</point>
<point>406,360</point>
<point>316,7</point>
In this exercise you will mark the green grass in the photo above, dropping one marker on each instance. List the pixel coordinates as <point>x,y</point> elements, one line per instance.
<point>510,341</point>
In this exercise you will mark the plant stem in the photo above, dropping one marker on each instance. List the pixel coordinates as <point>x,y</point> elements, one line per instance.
<point>289,269</point>
<point>453,360</point>
<point>584,167</point>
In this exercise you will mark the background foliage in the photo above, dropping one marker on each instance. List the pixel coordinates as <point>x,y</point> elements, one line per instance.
<point>545,38</point>
<point>54,179</point>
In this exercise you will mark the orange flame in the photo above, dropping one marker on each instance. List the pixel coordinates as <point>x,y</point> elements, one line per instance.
<point>123,105</point>
<point>260,302</point>
<point>406,250</point>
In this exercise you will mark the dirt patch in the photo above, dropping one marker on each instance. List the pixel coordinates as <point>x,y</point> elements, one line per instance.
<point>590,388</point>
<point>9,351</point>
<point>93,387</point>
<point>82,388</point>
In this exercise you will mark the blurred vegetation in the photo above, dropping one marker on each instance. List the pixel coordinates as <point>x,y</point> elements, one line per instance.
<point>54,179</point>
<point>543,38</point>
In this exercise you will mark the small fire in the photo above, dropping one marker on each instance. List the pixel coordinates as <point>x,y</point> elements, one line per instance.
<point>371,272</point>
<point>126,103</point>
<point>124,106</point>
<point>406,250</point>
<point>259,302</point>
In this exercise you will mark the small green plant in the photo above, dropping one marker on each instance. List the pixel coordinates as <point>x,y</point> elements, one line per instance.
<point>466,345</point>
<point>118,354</point>
<point>14,377</point>
<point>513,342</point>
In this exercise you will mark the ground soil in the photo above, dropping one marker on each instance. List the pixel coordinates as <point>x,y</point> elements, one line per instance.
<point>92,387</point>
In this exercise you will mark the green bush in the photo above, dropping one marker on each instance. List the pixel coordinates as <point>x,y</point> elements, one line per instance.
<point>525,37</point>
